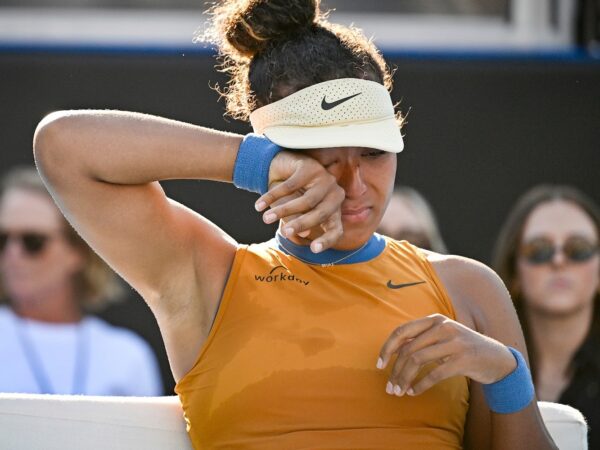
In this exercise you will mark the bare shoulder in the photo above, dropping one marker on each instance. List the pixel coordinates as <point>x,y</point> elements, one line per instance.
<point>479,296</point>
<point>464,273</point>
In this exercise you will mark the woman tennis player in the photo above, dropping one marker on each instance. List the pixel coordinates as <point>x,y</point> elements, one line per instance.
<point>329,336</point>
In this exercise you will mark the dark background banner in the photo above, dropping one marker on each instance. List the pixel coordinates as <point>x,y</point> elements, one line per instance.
<point>480,130</point>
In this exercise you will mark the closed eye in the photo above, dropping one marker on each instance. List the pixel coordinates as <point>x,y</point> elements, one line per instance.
<point>373,153</point>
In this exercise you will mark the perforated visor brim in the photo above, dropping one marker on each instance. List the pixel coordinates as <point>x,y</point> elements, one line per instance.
<point>382,135</point>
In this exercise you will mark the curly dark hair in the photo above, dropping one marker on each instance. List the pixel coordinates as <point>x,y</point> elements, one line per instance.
<point>273,48</point>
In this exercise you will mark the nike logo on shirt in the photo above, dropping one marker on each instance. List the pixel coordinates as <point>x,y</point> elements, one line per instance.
<point>326,105</point>
<point>401,285</point>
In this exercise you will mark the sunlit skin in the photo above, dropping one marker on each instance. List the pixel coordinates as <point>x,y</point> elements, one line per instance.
<point>561,287</point>
<point>367,177</point>
<point>39,286</point>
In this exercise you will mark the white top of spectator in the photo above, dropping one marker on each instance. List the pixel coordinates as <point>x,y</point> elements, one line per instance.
<point>111,360</point>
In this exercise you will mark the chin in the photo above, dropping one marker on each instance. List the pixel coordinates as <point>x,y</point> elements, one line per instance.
<point>24,290</point>
<point>353,238</point>
<point>559,306</point>
<point>16,291</point>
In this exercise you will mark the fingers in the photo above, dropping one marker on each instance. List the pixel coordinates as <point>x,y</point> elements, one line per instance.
<point>276,196</point>
<point>313,215</point>
<point>318,205</point>
<point>309,198</point>
<point>301,216</point>
<point>404,333</point>
<point>446,370</point>
<point>406,369</point>
<point>410,353</point>
<point>449,346</point>
<point>302,177</point>
<point>332,228</point>
<point>280,201</point>
<point>333,231</point>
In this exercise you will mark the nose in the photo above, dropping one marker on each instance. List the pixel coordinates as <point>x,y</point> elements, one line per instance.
<point>11,249</point>
<point>352,181</point>
<point>558,259</point>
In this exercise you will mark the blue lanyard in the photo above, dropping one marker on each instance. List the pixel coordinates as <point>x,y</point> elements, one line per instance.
<point>42,379</point>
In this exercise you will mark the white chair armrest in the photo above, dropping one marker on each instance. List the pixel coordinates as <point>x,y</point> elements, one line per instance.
<point>65,422</point>
<point>566,425</point>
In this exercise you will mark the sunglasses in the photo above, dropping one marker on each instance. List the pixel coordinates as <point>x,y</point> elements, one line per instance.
<point>576,249</point>
<point>32,242</point>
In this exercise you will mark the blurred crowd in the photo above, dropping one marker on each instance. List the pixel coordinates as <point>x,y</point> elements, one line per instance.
<point>52,285</point>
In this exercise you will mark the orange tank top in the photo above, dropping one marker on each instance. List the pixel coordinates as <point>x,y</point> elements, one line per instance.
<point>290,360</point>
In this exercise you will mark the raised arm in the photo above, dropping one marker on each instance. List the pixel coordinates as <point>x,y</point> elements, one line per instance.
<point>102,168</point>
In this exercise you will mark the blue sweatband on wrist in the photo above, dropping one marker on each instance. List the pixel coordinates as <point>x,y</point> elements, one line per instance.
<point>512,393</point>
<point>251,169</point>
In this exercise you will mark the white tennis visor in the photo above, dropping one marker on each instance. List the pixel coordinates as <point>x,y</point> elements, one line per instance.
<point>347,112</point>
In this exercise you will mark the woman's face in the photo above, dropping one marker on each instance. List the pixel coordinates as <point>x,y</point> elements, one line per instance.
<point>402,222</point>
<point>559,286</point>
<point>367,176</point>
<point>50,262</point>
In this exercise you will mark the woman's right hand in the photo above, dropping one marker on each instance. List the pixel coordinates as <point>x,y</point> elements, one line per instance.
<point>304,195</point>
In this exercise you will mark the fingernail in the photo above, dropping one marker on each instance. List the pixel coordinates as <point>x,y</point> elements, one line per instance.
<point>379,363</point>
<point>260,205</point>
<point>288,231</point>
<point>318,247</point>
<point>398,391</point>
<point>410,391</point>
<point>389,388</point>
<point>269,217</point>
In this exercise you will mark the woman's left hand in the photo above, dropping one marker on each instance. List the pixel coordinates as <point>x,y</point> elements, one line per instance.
<point>457,350</point>
<point>305,195</point>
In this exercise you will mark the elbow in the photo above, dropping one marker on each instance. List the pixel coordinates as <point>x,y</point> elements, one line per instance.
<point>51,143</point>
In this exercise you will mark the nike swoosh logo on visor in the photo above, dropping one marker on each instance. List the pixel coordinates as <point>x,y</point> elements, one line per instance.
<point>326,105</point>
<point>401,285</point>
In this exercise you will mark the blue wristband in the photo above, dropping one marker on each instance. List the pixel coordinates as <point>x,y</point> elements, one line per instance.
<point>512,393</point>
<point>251,169</point>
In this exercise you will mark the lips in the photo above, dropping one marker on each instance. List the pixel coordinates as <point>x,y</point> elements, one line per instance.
<point>356,214</point>
<point>560,283</point>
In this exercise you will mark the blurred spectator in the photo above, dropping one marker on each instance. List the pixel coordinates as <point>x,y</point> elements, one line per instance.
<point>48,278</point>
<point>547,254</point>
<point>409,217</point>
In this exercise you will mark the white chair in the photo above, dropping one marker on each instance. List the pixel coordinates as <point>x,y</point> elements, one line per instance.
<point>63,422</point>
<point>566,425</point>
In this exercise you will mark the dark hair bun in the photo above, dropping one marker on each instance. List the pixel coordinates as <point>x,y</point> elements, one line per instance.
<point>250,25</point>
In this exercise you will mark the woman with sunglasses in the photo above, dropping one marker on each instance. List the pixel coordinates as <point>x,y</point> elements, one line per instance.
<point>49,279</point>
<point>329,335</point>
<point>547,254</point>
